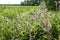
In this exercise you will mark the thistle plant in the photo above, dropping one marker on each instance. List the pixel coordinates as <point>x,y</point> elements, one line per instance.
<point>45,20</point>
<point>41,17</point>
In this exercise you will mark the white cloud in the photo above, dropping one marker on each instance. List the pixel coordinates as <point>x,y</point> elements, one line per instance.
<point>10,1</point>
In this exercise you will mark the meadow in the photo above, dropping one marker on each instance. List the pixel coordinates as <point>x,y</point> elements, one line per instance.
<point>18,23</point>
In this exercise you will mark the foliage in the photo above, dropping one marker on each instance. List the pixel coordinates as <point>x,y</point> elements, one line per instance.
<point>51,4</point>
<point>22,23</point>
<point>31,2</point>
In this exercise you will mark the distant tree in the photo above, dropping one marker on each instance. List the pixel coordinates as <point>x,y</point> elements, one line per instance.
<point>31,2</point>
<point>52,4</point>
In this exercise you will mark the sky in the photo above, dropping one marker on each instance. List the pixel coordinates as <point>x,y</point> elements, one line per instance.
<point>10,1</point>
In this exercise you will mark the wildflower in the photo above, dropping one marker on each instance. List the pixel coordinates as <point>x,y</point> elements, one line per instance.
<point>7,21</point>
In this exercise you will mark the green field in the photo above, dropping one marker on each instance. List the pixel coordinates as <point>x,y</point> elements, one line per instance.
<point>12,11</point>
<point>15,23</point>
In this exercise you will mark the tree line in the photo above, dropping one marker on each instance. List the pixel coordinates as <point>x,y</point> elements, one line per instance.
<point>30,3</point>
<point>51,4</point>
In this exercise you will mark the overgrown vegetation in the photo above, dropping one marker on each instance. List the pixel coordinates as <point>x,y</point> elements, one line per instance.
<point>20,23</point>
<point>29,23</point>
